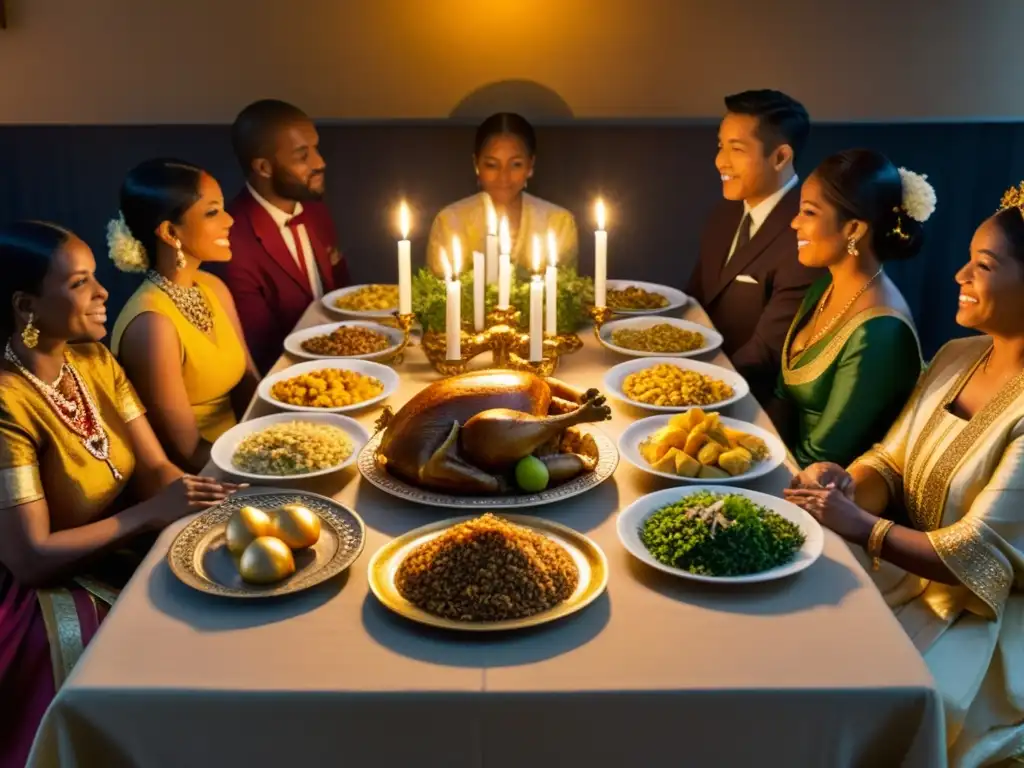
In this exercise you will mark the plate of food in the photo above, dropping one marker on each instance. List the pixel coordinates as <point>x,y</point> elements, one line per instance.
<point>699,447</point>
<point>659,337</point>
<point>373,300</point>
<point>288,446</point>
<point>488,573</point>
<point>329,386</point>
<point>632,297</point>
<point>712,535</point>
<point>672,384</point>
<point>493,439</point>
<point>266,543</point>
<point>352,339</point>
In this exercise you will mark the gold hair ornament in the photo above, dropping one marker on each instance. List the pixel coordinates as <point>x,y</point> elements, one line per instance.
<point>1013,198</point>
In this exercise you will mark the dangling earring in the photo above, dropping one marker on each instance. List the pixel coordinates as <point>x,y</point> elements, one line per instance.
<point>180,260</point>
<point>851,247</point>
<point>30,334</point>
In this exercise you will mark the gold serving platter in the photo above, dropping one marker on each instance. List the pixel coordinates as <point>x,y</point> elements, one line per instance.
<point>588,557</point>
<point>199,555</point>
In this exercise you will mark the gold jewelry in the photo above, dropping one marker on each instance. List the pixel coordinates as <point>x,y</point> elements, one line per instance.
<point>78,413</point>
<point>30,334</point>
<point>875,541</point>
<point>818,335</point>
<point>851,246</point>
<point>898,229</point>
<point>190,301</point>
<point>1013,198</point>
<point>180,260</point>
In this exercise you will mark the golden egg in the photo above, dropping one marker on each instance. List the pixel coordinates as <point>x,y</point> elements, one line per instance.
<point>266,560</point>
<point>295,525</point>
<point>245,525</point>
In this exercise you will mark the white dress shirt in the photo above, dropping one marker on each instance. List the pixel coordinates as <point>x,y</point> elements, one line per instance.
<point>281,218</point>
<point>760,212</point>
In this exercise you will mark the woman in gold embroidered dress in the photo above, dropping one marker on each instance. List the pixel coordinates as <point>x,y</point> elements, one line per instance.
<point>504,154</point>
<point>179,337</point>
<point>951,471</point>
<point>74,446</point>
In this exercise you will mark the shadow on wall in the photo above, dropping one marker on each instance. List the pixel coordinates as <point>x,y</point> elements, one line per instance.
<point>531,100</point>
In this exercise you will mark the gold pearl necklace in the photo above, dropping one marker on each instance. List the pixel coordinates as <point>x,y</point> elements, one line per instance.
<point>190,301</point>
<point>820,334</point>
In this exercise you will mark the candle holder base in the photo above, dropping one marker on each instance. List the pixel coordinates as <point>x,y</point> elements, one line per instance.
<point>404,323</point>
<point>600,316</point>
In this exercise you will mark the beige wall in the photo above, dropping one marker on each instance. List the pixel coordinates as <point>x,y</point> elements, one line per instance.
<point>158,61</point>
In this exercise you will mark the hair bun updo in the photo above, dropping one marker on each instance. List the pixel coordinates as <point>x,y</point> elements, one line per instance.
<point>863,184</point>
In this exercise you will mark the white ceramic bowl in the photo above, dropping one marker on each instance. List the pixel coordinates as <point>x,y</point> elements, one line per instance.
<point>638,431</point>
<point>676,298</point>
<point>712,338</point>
<point>224,448</point>
<point>383,373</point>
<point>329,299</point>
<point>293,344</point>
<point>616,376</point>
<point>633,516</point>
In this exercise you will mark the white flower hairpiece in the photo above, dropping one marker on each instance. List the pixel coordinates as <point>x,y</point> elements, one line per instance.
<point>918,196</point>
<point>127,253</point>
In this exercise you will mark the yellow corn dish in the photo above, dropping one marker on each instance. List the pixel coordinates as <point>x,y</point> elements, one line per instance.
<point>670,385</point>
<point>327,388</point>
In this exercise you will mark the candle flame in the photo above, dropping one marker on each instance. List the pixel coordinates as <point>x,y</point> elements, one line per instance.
<point>457,254</point>
<point>552,249</point>
<point>492,216</point>
<point>600,213</point>
<point>446,265</point>
<point>504,238</point>
<point>536,252</point>
<point>403,220</point>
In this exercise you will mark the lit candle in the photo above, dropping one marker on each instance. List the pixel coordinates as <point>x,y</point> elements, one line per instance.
<point>551,283</point>
<point>479,284</point>
<point>453,307</point>
<point>404,262</point>
<point>536,306</point>
<point>491,242</point>
<point>600,257</point>
<point>504,264</point>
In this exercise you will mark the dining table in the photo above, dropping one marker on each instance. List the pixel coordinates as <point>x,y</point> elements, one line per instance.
<point>810,670</point>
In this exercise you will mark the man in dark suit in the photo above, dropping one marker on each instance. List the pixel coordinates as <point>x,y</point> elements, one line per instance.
<point>748,278</point>
<point>283,242</point>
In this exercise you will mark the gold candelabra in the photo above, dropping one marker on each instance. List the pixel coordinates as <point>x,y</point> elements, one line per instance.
<point>404,323</point>
<point>509,347</point>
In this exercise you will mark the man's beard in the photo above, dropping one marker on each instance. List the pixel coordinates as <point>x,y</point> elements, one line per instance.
<point>290,188</point>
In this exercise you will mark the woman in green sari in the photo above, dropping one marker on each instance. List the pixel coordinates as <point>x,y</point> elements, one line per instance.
<point>852,356</point>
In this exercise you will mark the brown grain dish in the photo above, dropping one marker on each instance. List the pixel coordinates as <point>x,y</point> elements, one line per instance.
<point>633,298</point>
<point>487,569</point>
<point>347,341</point>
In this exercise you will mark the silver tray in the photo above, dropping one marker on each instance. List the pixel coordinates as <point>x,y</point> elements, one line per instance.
<point>199,556</point>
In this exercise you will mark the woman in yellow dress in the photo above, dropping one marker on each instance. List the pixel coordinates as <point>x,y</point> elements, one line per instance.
<point>81,472</point>
<point>179,337</point>
<point>951,473</point>
<point>504,155</point>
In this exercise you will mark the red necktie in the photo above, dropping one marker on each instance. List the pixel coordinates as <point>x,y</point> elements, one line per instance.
<point>293,224</point>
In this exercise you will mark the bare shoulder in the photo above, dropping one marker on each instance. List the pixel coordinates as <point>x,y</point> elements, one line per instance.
<point>149,330</point>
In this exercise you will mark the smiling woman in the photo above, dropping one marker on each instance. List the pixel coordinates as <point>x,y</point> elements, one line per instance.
<point>179,337</point>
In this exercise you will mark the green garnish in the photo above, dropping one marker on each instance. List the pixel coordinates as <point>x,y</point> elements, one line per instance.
<point>575,294</point>
<point>711,534</point>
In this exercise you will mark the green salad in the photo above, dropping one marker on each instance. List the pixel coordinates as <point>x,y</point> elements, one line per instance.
<point>711,534</point>
<point>575,295</point>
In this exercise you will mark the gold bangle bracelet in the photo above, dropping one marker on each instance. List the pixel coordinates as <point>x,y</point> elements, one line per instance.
<point>875,541</point>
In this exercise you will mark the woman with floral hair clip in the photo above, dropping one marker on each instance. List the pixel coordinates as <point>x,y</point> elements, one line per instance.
<point>852,356</point>
<point>938,505</point>
<point>179,336</point>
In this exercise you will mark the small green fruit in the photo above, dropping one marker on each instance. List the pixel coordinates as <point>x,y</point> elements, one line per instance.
<point>532,474</point>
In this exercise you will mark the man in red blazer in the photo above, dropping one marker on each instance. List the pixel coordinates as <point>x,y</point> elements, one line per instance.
<point>748,277</point>
<point>283,242</point>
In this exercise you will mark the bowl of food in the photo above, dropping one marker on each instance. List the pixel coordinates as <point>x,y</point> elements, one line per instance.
<point>659,337</point>
<point>373,300</point>
<point>734,537</point>
<point>633,297</point>
<point>285,446</point>
<point>353,339</point>
<point>329,386</point>
<point>672,384</point>
<point>699,447</point>
<point>488,573</point>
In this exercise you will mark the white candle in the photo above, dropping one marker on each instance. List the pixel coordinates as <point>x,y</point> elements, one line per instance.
<point>491,244</point>
<point>404,262</point>
<point>600,257</point>
<point>504,264</point>
<point>551,283</point>
<point>453,309</point>
<point>536,307</point>
<point>479,284</point>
